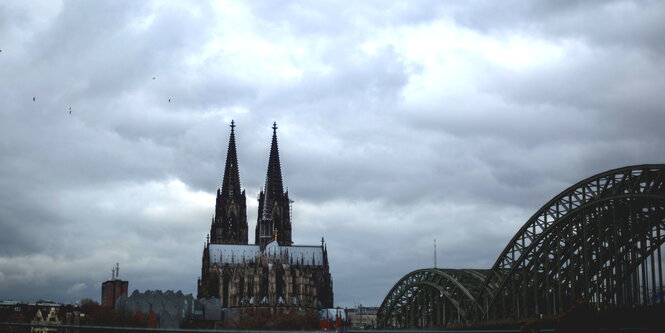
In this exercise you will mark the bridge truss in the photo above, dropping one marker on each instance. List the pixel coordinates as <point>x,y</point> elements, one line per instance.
<point>601,240</point>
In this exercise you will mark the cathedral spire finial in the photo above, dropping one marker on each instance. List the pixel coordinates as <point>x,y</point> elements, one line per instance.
<point>274,127</point>
<point>233,125</point>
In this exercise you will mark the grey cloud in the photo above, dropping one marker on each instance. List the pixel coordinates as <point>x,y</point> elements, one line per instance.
<point>348,21</point>
<point>633,25</point>
<point>377,175</point>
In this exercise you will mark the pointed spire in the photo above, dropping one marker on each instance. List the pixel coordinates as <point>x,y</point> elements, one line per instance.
<point>274,175</point>
<point>231,181</point>
<point>274,186</point>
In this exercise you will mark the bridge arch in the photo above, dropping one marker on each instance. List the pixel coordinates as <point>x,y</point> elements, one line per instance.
<point>600,240</point>
<point>432,298</point>
<point>586,243</point>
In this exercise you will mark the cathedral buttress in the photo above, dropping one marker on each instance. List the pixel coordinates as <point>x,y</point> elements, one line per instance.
<point>229,225</point>
<point>274,216</point>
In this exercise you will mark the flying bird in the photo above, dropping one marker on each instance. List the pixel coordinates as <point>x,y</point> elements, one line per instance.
<point>153,77</point>
<point>33,99</point>
<point>169,100</point>
<point>70,110</point>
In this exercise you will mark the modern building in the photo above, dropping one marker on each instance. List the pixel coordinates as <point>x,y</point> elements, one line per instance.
<point>170,307</point>
<point>272,272</point>
<point>363,317</point>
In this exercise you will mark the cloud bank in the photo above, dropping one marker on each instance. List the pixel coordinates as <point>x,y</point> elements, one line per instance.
<point>398,123</point>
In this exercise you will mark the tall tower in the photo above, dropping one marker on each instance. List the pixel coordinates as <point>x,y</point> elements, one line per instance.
<point>113,288</point>
<point>274,216</point>
<point>229,225</point>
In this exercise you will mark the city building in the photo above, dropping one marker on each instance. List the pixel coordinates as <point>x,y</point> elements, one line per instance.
<point>272,272</point>
<point>170,307</point>
<point>39,313</point>
<point>114,288</point>
<point>363,317</point>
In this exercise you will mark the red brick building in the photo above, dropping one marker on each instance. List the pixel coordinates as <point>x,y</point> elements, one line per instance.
<point>112,290</point>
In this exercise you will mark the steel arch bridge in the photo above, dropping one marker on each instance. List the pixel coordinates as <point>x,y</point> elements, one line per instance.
<point>600,240</point>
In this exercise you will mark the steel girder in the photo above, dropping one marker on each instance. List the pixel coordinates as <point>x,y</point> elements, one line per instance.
<point>599,240</point>
<point>586,243</point>
<point>589,255</point>
<point>432,298</point>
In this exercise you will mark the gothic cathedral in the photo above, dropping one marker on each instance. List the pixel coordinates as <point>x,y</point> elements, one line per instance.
<point>272,272</point>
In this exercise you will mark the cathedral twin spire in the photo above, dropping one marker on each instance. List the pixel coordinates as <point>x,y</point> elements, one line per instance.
<point>231,180</point>
<point>229,225</point>
<point>273,185</point>
<point>274,218</point>
<point>231,270</point>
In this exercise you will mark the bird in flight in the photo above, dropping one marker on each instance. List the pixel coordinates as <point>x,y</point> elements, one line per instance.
<point>34,99</point>
<point>70,110</point>
<point>169,100</point>
<point>153,77</point>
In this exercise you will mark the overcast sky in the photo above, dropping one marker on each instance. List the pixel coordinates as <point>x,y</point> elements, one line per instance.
<point>399,123</point>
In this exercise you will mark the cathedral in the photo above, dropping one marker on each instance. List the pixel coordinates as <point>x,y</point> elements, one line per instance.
<point>272,272</point>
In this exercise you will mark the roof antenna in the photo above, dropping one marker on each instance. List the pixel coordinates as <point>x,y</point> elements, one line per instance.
<point>112,273</point>
<point>117,270</point>
<point>434,252</point>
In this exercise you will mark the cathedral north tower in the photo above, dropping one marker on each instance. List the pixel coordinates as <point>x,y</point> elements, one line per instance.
<point>274,216</point>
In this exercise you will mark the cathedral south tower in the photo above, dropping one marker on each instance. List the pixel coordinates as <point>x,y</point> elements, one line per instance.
<point>229,225</point>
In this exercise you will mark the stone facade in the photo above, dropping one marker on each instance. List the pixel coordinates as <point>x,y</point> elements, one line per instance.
<point>272,272</point>
<point>51,318</point>
<point>40,313</point>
